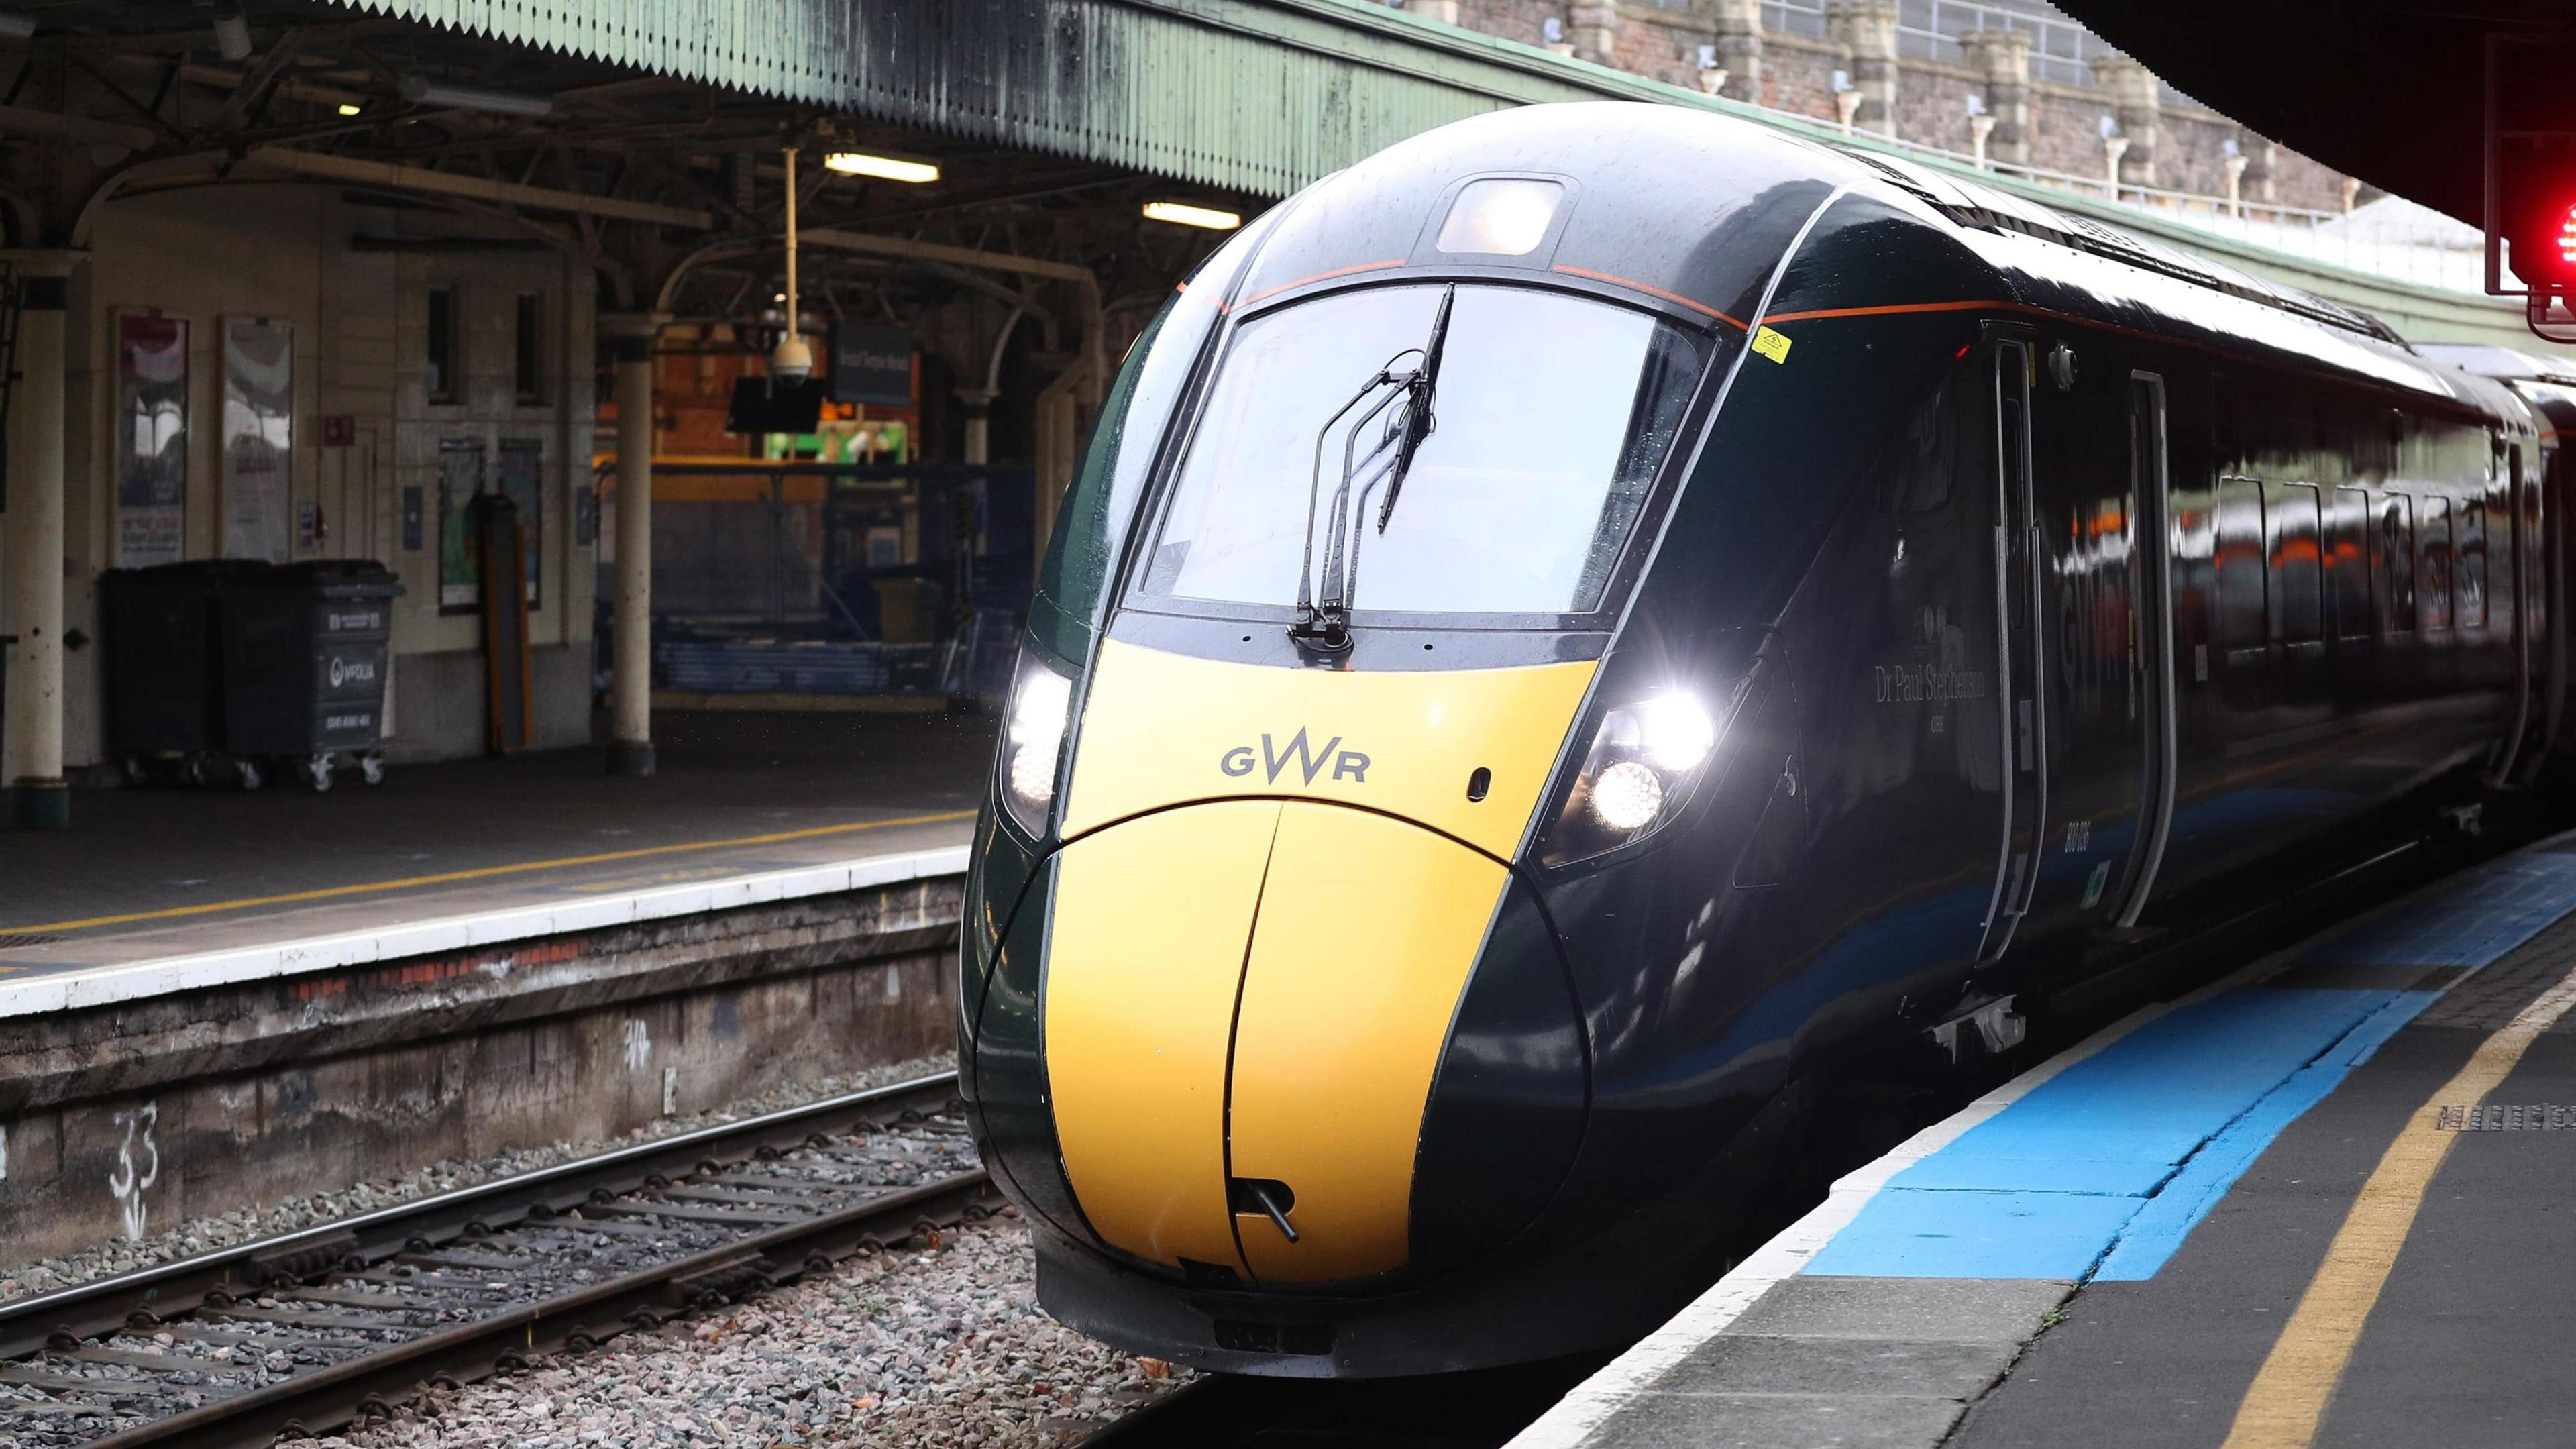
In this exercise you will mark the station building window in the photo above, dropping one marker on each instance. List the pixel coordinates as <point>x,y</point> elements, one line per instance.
<point>528,348</point>
<point>445,348</point>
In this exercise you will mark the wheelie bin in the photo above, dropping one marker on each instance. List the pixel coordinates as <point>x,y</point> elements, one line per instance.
<point>163,664</point>
<point>304,660</point>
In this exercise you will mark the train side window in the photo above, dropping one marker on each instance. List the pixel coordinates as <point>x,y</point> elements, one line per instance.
<point>1915,473</point>
<point>2471,569</point>
<point>2528,569</point>
<point>2291,549</point>
<point>2243,617</point>
<point>2348,562</point>
<point>2433,564</point>
<point>2392,563</point>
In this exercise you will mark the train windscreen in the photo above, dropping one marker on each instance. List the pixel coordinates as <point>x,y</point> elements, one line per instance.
<point>1549,417</point>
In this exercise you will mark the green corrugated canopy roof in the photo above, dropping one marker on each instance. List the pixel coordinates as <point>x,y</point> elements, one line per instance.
<point>1260,96</point>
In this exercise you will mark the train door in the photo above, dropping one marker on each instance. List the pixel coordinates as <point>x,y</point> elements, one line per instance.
<point>2521,512</point>
<point>2020,647</point>
<point>2152,661</point>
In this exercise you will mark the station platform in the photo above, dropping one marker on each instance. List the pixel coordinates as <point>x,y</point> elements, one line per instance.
<point>162,890</point>
<point>2327,1200</point>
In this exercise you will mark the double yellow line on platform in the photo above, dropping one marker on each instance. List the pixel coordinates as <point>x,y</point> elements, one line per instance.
<point>487,872</point>
<point>2287,1402</point>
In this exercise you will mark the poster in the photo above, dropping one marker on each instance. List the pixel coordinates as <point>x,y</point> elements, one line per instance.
<point>259,437</point>
<point>151,440</point>
<point>460,564</point>
<point>523,477</point>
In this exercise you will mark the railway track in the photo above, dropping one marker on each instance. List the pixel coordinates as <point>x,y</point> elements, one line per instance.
<point>302,1333</point>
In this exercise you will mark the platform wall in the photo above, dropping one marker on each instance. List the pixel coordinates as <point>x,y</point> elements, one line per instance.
<point>364,465</point>
<point>120,1121</point>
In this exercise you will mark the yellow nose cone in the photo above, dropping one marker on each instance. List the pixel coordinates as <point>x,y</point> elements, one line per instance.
<point>1275,884</point>
<point>1256,990</point>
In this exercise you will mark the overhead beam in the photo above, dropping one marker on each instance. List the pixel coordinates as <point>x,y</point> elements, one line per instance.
<point>26,121</point>
<point>895,246</point>
<point>509,193</point>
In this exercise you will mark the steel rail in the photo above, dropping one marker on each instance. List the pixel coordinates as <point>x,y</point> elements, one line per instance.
<point>315,1398</point>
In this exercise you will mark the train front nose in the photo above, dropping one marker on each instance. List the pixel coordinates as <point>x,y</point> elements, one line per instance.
<point>1258,963</point>
<point>1246,1002</point>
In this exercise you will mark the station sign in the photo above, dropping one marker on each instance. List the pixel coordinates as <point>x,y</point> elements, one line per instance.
<point>871,365</point>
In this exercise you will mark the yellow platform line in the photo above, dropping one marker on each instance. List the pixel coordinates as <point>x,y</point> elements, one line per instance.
<point>2288,1399</point>
<point>487,872</point>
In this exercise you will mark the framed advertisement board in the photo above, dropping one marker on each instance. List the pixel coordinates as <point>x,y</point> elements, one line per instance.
<point>151,440</point>
<point>258,438</point>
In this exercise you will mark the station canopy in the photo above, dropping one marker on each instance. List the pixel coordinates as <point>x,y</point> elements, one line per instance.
<point>635,133</point>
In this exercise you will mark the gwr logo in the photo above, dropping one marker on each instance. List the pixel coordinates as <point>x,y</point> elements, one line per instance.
<point>1349,765</point>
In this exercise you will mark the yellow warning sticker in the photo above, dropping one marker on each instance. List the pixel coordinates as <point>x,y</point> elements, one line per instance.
<point>1773,345</point>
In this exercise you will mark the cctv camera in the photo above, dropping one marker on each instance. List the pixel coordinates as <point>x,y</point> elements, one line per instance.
<point>791,362</point>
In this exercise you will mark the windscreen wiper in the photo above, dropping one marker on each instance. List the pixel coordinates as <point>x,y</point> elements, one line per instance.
<point>1415,424</point>
<point>1324,625</point>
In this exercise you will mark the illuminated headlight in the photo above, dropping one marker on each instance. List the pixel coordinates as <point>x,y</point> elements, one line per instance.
<point>1033,741</point>
<point>1627,797</point>
<point>1646,759</point>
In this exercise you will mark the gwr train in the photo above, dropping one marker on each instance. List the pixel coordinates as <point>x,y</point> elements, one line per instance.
<point>1601,616</point>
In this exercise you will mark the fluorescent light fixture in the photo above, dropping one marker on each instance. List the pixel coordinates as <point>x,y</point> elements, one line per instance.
<point>16,25</point>
<point>1181,213</point>
<point>350,108</point>
<point>911,170</point>
<point>447,95</point>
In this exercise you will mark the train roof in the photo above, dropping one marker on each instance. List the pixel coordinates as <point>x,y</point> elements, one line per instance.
<point>1985,207</point>
<point>1697,209</point>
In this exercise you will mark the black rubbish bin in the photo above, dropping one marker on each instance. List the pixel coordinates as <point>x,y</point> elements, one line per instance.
<point>304,656</point>
<point>164,704</point>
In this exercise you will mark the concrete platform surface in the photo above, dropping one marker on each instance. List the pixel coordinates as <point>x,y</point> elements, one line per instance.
<point>772,804</point>
<point>2327,1201</point>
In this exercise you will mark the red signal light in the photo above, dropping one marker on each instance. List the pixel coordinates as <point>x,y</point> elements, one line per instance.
<point>2567,237</point>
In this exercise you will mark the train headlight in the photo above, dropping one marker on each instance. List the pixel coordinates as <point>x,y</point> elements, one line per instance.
<point>1627,797</point>
<point>1645,760</point>
<point>1033,741</point>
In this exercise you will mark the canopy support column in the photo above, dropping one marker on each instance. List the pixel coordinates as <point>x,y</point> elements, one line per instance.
<point>31,736</point>
<point>630,746</point>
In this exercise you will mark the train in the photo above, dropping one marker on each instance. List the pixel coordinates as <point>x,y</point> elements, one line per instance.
<point>1579,631</point>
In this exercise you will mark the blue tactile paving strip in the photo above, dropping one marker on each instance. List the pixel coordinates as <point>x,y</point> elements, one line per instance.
<point>2104,1169</point>
<point>2497,908</point>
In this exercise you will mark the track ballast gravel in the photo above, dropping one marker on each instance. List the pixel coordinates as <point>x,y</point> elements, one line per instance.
<point>909,1347</point>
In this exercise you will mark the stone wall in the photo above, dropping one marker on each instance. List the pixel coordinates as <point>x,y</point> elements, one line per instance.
<point>2171,145</point>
